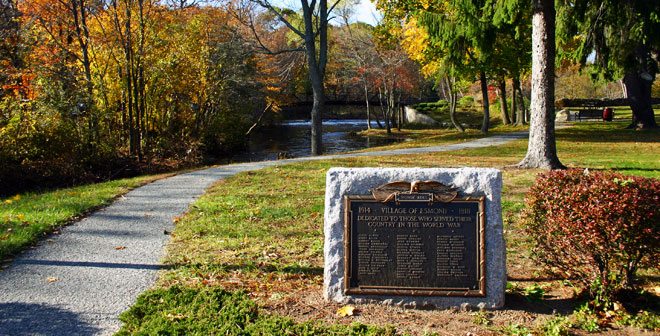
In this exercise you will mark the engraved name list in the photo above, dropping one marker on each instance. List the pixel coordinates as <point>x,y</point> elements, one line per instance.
<point>412,245</point>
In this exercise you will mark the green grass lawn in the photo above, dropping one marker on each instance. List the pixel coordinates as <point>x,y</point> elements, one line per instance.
<point>434,137</point>
<point>260,234</point>
<point>25,218</point>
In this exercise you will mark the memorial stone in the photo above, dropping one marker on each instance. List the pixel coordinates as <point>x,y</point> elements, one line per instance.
<point>415,237</point>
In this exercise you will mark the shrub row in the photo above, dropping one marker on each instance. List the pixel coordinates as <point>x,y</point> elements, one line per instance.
<point>596,227</point>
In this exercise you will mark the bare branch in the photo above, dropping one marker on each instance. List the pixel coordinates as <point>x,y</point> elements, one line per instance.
<point>332,8</point>
<point>267,5</point>
<point>259,119</point>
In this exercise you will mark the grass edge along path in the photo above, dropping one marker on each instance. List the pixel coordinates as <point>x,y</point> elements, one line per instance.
<point>120,245</point>
<point>26,218</point>
<point>258,233</point>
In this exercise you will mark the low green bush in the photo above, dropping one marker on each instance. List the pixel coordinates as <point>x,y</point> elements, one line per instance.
<point>596,227</point>
<point>421,106</point>
<point>442,102</point>
<point>184,311</point>
<point>556,326</point>
<point>181,310</point>
<point>466,101</point>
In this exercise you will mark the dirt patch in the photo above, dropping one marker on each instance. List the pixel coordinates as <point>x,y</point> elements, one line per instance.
<point>306,303</point>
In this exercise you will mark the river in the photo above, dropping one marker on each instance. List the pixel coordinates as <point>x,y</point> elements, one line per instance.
<point>292,138</point>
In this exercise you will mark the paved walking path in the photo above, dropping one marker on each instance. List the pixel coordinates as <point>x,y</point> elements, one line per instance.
<point>79,281</point>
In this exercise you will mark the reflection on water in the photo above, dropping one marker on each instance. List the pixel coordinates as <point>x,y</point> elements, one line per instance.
<point>293,138</point>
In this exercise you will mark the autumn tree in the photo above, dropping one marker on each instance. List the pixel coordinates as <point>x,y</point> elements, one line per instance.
<point>542,148</point>
<point>314,34</point>
<point>447,77</point>
<point>624,36</point>
<point>10,54</point>
<point>101,88</point>
<point>461,31</point>
<point>376,61</point>
<point>357,52</point>
<point>464,31</point>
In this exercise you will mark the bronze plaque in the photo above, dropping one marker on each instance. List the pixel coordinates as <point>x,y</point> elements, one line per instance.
<point>413,245</point>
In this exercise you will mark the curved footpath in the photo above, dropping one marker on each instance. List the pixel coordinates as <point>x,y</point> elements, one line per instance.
<point>79,281</point>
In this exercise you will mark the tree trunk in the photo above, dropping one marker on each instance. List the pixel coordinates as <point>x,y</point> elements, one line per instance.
<point>541,149</point>
<point>503,104</point>
<point>316,78</point>
<point>526,111</point>
<point>316,129</point>
<point>453,97</point>
<point>316,66</point>
<point>129,82</point>
<point>638,84</point>
<point>520,106</point>
<point>366,100</point>
<point>399,115</point>
<point>514,101</point>
<point>384,108</point>
<point>79,13</point>
<point>485,125</point>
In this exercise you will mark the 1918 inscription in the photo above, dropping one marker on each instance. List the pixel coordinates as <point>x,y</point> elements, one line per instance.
<point>414,246</point>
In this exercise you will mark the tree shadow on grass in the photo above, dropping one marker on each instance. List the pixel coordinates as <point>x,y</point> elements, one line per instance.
<point>256,267</point>
<point>608,135</point>
<point>630,169</point>
<point>541,306</point>
<point>37,319</point>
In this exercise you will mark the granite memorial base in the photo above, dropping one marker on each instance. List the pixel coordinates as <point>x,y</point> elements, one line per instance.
<point>414,237</point>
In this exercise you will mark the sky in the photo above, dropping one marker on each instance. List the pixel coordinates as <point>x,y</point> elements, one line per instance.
<point>366,12</point>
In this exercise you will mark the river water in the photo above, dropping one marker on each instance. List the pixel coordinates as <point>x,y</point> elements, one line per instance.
<point>292,139</point>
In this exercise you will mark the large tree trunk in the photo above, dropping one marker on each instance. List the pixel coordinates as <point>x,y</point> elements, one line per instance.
<point>317,108</point>
<point>316,129</point>
<point>638,85</point>
<point>316,68</point>
<point>503,105</point>
<point>485,125</point>
<point>638,90</point>
<point>542,149</point>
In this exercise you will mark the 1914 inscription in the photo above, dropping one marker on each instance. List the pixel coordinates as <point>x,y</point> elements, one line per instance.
<point>414,246</point>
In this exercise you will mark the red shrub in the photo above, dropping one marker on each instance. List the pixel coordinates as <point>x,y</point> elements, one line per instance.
<point>596,227</point>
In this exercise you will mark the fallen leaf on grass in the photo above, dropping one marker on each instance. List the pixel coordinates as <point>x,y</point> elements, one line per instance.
<point>173,317</point>
<point>346,311</point>
<point>120,247</point>
<point>52,279</point>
